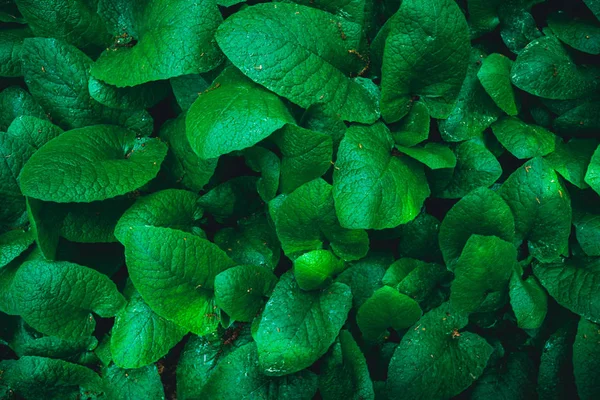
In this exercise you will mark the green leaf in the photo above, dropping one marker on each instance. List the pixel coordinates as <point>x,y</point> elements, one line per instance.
<point>419,238</point>
<point>234,114</point>
<point>241,291</point>
<point>46,221</point>
<point>57,74</point>
<point>57,298</point>
<point>571,159</point>
<point>74,21</point>
<point>237,198</point>
<point>297,327</point>
<point>555,377</point>
<point>267,163</point>
<point>303,54</point>
<point>485,266</point>
<point>587,231</point>
<point>201,355</point>
<point>513,378</point>
<point>305,219</point>
<point>172,38</point>
<point>458,358</point>
<point>414,127</point>
<point>89,164</point>
<point>344,374</point>
<point>373,189</point>
<point>364,277</point>
<point>13,243</point>
<point>481,212</point>
<point>593,5</point>
<point>314,269</point>
<point>25,341</point>
<point>519,27</point>
<point>476,167</point>
<point>494,76</point>
<point>582,120</point>
<point>572,283</point>
<point>417,279</point>
<point>14,152</point>
<point>581,34</point>
<point>483,16</point>
<point>424,58</point>
<point>125,384</point>
<point>35,131</point>
<point>386,308</point>
<point>93,222</point>
<point>242,367</point>
<point>15,102</point>
<point>306,155</point>
<point>187,88</point>
<point>592,176</point>
<point>182,164</point>
<point>170,208</point>
<point>138,97</point>
<point>528,300</point>
<point>139,336</point>
<point>46,378</point>
<point>188,265</point>
<point>542,209</point>
<point>433,155</point>
<point>253,242</point>
<point>545,69</point>
<point>11,42</point>
<point>586,356</point>
<point>523,140</point>
<point>474,110</point>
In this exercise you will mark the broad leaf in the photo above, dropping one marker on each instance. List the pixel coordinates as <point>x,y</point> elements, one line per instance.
<point>424,57</point>
<point>297,327</point>
<point>188,266</point>
<point>172,38</point>
<point>93,163</point>
<point>374,189</point>
<point>303,54</point>
<point>58,298</point>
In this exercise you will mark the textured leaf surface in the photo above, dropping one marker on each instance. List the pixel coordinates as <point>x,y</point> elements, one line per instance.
<point>57,74</point>
<point>40,377</point>
<point>586,351</point>
<point>297,327</point>
<point>182,164</point>
<point>541,206</point>
<point>139,336</point>
<point>485,266</point>
<point>457,360</point>
<point>74,21</point>
<point>124,384</point>
<point>545,69</point>
<point>171,208</point>
<point>241,291</point>
<point>174,271</point>
<point>426,55</point>
<point>494,76</point>
<point>573,284</point>
<point>481,212</point>
<point>373,189</point>
<point>172,38</point>
<point>386,308</point>
<point>528,300</point>
<point>93,163</point>
<point>242,367</point>
<point>571,159</point>
<point>523,140</point>
<point>234,114</point>
<point>301,53</point>
<point>345,374</point>
<point>58,298</point>
<point>306,155</point>
<point>314,269</point>
<point>306,218</point>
